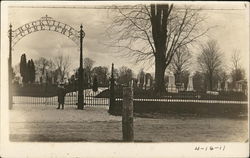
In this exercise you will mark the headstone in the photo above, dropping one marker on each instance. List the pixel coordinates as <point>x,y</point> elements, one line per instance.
<point>182,86</point>
<point>37,78</point>
<point>20,80</point>
<point>190,86</point>
<point>138,82</point>
<point>219,86</point>
<point>153,83</point>
<point>239,87</point>
<point>226,86</point>
<point>148,84</point>
<point>171,84</point>
<point>144,82</point>
<point>131,83</point>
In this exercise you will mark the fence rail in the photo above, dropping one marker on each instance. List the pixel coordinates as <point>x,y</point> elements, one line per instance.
<point>91,98</point>
<point>71,99</point>
<point>188,101</point>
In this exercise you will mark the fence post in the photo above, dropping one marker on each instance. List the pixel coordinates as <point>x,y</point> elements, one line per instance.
<point>127,115</point>
<point>112,91</point>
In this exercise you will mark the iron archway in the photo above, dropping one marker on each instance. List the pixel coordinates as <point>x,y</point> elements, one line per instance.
<point>46,24</point>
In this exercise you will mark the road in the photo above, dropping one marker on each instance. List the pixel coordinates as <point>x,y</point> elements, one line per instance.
<point>46,123</point>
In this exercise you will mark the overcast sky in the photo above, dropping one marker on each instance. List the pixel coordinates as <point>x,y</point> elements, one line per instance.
<point>231,32</point>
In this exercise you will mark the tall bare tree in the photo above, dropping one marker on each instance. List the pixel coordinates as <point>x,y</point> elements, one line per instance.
<point>125,75</point>
<point>88,65</point>
<point>62,64</point>
<point>237,73</point>
<point>155,32</point>
<point>210,60</point>
<point>235,58</point>
<point>101,72</point>
<point>42,65</point>
<point>180,62</point>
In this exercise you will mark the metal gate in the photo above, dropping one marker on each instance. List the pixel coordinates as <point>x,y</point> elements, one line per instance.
<point>91,98</point>
<point>104,96</point>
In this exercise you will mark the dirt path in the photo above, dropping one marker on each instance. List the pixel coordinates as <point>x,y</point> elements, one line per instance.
<point>45,123</point>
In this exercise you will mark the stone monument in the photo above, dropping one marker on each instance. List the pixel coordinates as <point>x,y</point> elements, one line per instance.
<point>239,87</point>
<point>144,83</point>
<point>148,84</point>
<point>182,86</point>
<point>219,86</point>
<point>226,86</point>
<point>190,86</point>
<point>171,84</point>
<point>138,82</point>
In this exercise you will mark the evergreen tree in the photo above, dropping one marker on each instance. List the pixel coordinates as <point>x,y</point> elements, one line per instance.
<point>95,84</point>
<point>23,68</point>
<point>32,72</point>
<point>28,71</point>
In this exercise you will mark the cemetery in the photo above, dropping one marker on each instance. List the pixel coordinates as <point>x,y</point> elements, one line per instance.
<point>178,101</point>
<point>151,74</point>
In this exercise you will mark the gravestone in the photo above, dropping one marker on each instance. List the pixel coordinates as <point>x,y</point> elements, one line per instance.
<point>239,87</point>
<point>171,84</point>
<point>44,78</point>
<point>148,84</point>
<point>20,80</point>
<point>144,82</point>
<point>226,86</point>
<point>182,86</point>
<point>219,86</point>
<point>153,83</point>
<point>138,82</point>
<point>190,86</point>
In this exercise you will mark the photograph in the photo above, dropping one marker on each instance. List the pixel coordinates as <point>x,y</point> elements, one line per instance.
<point>107,79</point>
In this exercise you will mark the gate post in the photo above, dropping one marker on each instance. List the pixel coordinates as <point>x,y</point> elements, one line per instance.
<point>112,91</point>
<point>127,115</point>
<point>10,69</point>
<point>80,104</point>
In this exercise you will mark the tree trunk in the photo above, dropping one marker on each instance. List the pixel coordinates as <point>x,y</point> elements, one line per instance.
<point>210,81</point>
<point>178,77</point>
<point>160,68</point>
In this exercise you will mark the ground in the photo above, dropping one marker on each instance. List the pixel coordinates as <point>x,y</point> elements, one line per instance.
<point>46,123</point>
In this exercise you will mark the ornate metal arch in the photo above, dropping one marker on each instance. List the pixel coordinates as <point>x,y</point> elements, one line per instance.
<point>46,24</point>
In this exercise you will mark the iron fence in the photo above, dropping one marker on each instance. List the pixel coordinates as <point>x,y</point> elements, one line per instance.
<point>90,99</point>
<point>114,94</point>
<point>94,99</point>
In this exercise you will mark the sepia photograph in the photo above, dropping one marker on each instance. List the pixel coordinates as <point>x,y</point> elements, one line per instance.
<point>107,79</point>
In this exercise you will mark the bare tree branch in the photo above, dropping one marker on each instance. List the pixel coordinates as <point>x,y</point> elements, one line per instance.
<point>210,60</point>
<point>63,64</point>
<point>154,31</point>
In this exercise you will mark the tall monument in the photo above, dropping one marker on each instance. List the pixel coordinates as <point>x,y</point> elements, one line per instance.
<point>190,86</point>
<point>219,86</point>
<point>226,86</point>
<point>171,84</point>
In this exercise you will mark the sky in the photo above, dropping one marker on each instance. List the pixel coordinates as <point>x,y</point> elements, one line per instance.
<point>231,32</point>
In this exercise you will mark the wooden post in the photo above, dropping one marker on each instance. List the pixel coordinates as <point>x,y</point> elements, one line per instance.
<point>127,115</point>
<point>112,91</point>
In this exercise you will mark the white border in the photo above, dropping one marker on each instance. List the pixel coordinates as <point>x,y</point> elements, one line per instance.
<point>10,149</point>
